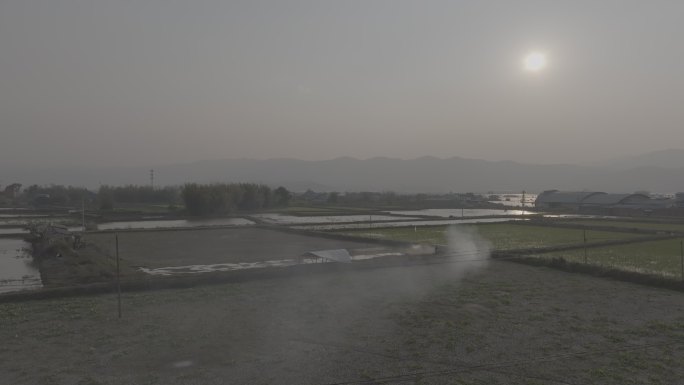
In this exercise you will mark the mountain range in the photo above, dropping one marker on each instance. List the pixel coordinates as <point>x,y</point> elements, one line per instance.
<point>661,171</point>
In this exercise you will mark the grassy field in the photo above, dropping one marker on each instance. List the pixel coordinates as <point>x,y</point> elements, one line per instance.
<point>61,265</point>
<point>503,236</point>
<point>630,224</point>
<point>504,323</point>
<point>656,257</point>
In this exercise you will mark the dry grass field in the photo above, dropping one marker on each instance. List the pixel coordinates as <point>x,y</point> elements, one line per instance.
<point>500,323</point>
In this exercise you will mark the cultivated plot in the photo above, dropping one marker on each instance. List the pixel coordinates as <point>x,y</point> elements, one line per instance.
<point>503,236</point>
<point>503,324</point>
<point>655,257</point>
<point>214,246</point>
<point>676,227</point>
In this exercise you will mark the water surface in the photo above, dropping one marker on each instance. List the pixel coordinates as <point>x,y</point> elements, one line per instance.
<point>516,199</point>
<point>281,219</point>
<point>437,222</point>
<point>457,213</point>
<point>16,270</point>
<point>161,224</point>
<point>13,231</point>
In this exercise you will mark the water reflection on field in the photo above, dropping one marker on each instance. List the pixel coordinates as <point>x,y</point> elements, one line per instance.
<point>405,224</point>
<point>457,213</point>
<point>515,200</point>
<point>24,220</point>
<point>174,223</point>
<point>196,269</point>
<point>16,270</point>
<point>13,231</point>
<point>23,215</point>
<point>281,219</point>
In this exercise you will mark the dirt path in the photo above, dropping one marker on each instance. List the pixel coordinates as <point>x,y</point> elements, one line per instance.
<point>502,324</point>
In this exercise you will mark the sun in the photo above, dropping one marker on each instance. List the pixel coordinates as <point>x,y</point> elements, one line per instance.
<point>534,61</point>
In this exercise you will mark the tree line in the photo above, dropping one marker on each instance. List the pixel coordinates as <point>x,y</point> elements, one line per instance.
<point>223,198</point>
<point>55,195</point>
<point>199,199</point>
<point>108,196</point>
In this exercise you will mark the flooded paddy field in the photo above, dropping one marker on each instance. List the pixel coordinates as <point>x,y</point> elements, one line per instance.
<point>161,249</point>
<point>500,323</point>
<point>22,216</point>
<point>19,220</point>
<point>405,224</point>
<point>174,223</point>
<point>457,213</point>
<point>14,224</point>
<point>13,231</point>
<point>281,219</point>
<point>16,270</point>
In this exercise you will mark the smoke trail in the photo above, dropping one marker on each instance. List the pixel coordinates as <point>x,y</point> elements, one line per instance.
<point>328,318</point>
<point>468,249</point>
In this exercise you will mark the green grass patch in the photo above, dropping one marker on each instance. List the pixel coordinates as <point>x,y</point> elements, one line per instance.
<point>61,265</point>
<point>655,257</point>
<point>678,227</point>
<point>503,236</point>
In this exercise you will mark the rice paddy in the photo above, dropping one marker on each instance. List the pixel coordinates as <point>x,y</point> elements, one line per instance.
<point>661,257</point>
<point>503,236</point>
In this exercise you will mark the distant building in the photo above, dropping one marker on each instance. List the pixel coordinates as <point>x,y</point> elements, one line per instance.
<point>596,202</point>
<point>563,200</point>
<point>603,200</point>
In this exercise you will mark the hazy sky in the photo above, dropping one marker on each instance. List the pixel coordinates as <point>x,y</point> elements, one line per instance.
<point>163,81</point>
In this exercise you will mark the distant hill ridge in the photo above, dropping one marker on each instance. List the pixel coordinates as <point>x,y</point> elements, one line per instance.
<point>670,158</point>
<point>425,174</point>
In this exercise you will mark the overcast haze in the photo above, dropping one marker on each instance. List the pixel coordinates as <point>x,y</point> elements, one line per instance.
<point>138,83</point>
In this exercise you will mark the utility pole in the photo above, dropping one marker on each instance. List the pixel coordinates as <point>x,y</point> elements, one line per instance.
<point>83,213</point>
<point>118,273</point>
<point>152,178</point>
<point>681,257</point>
<point>522,203</point>
<point>584,235</point>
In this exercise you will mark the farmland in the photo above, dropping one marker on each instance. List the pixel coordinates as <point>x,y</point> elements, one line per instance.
<point>208,246</point>
<point>661,257</point>
<point>503,236</point>
<point>430,321</point>
<point>646,225</point>
<point>656,257</point>
<point>503,323</point>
